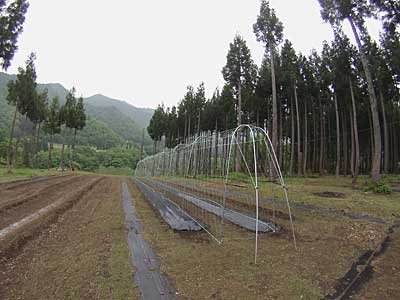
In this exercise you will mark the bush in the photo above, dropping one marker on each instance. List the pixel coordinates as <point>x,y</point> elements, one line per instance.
<point>379,188</point>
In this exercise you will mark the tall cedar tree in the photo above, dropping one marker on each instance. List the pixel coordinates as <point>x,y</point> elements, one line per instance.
<point>67,115</point>
<point>355,12</point>
<point>269,30</point>
<point>156,128</point>
<point>21,94</point>
<point>12,18</point>
<point>78,123</point>
<point>38,116</point>
<point>240,72</point>
<point>52,126</point>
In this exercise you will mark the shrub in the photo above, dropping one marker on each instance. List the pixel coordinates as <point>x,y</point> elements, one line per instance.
<point>379,188</point>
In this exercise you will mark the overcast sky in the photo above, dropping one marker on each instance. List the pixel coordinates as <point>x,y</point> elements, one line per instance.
<point>148,52</point>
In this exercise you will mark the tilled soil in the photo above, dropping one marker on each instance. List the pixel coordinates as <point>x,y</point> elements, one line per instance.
<point>16,194</point>
<point>82,254</point>
<point>28,200</point>
<point>16,190</point>
<point>383,281</point>
<point>28,182</point>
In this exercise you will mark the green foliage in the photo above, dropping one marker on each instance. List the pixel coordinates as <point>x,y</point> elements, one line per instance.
<point>116,171</point>
<point>110,123</point>
<point>239,177</point>
<point>12,17</point>
<point>268,29</point>
<point>22,91</point>
<point>140,116</point>
<point>118,122</point>
<point>118,157</point>
<point>92,160</point>
<point>53,123</point>
<point>378,188</point>
<point>240,72</point>
<point>99,135</point>
<point>156,128</point>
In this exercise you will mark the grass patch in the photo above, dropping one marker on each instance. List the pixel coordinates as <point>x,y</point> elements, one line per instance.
<point>115,171</point>
<point>202,269</point>
<point>23,173</point>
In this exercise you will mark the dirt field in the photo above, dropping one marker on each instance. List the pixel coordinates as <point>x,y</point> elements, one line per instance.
<point>327,249</point>
<point>78,249</point>
<point>77,253</point>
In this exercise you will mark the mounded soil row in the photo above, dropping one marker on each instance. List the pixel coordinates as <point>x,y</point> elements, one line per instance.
<point>30,181</point>
<point>42,195</point>
<point>15,197</point>
<point>24,221</point>
<point>80,254</point>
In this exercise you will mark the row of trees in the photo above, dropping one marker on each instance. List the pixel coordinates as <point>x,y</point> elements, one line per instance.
<point>336,111</point>
<point>38,113</point>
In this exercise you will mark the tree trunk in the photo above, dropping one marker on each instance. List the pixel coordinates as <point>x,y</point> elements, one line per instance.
<point>292,138</point>
<point>356,142</point>
<point>280,141</point>
<point>386,144</point>
<point>49,159</point>
<point>37,145</point>
<point>185,130</point>
<point>305,140</point>
<point>274,105</point>
<point>15,154</point>
<point>72,151</point>
<point>321,137</point>
<point>189,129</point>
<point>10,150</point>
<point>62,166</point>
<point>198,123</point>
<point>238,159</point>
<point>352,154</point>
<point>376,161</point>
<point>337,138</point>
<point>315,154</point>
<point>345,142</point>
<point>299,155</point>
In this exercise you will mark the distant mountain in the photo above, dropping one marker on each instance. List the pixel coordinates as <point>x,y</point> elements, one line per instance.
<point>141,116</point>
<point>110,119</point>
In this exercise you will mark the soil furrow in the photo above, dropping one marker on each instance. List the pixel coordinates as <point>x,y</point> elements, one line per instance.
<point>81,249</point>
<point>29,188</point>
<point>22,198</point>
<point>41,200</point>
<point>24,182</point>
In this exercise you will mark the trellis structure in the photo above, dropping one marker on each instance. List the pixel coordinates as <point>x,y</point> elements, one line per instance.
<point>218,178</point>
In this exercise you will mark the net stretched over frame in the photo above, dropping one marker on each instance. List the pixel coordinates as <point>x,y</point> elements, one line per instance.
<point>223,179</point>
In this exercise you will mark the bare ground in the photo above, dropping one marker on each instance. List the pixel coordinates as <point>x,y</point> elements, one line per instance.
<point>16,206</point>
<point>81,253</point>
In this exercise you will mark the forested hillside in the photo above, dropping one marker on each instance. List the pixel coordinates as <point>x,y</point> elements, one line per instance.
<point>111,122</point>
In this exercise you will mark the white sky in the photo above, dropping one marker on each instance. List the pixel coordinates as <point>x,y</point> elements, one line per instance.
<point>148,52</point>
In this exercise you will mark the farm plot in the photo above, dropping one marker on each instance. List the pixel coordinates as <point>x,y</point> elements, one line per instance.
<point>328,246</point>
<point>72,236</point>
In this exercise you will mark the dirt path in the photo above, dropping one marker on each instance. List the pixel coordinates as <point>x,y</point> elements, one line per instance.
<point>17,208</point>
<point>81,255</point>
<point>151,284</point>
